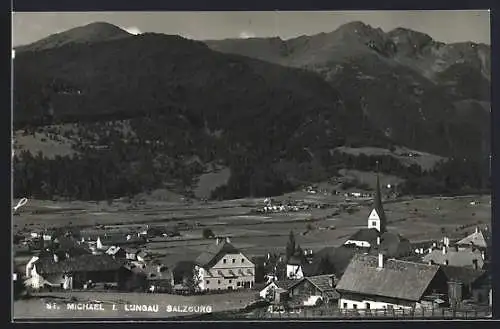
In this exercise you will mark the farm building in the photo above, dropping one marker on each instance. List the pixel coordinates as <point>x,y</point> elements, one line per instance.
<point>455,257</point>
<point>224,267</point>
<point>269,290</point>
<point>467,284</point>
<point>313,290</point>
<point>75,272</point>
<point>371,282</point>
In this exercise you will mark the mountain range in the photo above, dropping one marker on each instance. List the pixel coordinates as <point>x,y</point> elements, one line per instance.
<point>262,103</point>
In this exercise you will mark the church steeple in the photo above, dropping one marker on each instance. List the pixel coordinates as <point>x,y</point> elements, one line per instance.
<point>377,217</point>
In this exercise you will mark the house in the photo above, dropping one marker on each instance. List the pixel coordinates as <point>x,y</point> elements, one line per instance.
<point>271,288</point>
<point>294,268</point>
<point>223,267</point>
<point>313,290</point>
<point>455,257</point>
<point>157,276</point>
<point>479,239</point>
<point>374,282</point>
<point>75,272</point>
<point>467,284</point>
<point>116,252</point>
<point>131,253</point>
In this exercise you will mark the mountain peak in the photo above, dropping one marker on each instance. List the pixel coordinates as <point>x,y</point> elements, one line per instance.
<point>90,33</point>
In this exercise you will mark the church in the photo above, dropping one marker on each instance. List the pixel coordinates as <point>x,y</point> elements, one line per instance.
<point>375,237</point>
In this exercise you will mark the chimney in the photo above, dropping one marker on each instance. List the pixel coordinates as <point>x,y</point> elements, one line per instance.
<point>482,255</point>
<point>477,230</point>
<point>378,240</point>
<point>380,260</point>
<point>129,237</point>
<point>446,242</point>
<point>434,245</point>
<point>444,250</point>
<point>268,256</point>
<point>217,241</point>
<point>228,240</point>
<point>158,268</point>
<point>56,258</point>
<point>332,281</point>
<point>422,250</point>
<point>431,262</point>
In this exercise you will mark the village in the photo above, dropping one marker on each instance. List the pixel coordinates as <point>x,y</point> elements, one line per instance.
<point>376,271</point>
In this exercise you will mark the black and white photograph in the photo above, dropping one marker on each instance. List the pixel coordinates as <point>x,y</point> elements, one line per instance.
<point>252,166</point>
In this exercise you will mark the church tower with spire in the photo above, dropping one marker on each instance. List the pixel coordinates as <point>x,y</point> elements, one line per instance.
<point>377,217</point>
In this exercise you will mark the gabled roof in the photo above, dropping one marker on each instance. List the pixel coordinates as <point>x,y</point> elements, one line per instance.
<point>84,263</point>
<point>323,283</point>
<point>214,253</point>
<point>366,234</point>
<point>397,279</point>
<point>462,274</point>
<point>284,284</point>
<point>480,238</point>
<point>455,258</point>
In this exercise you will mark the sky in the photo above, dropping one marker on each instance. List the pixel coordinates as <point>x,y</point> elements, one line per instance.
<point>445,26</point>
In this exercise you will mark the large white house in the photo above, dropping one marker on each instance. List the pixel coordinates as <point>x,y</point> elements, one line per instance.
<point>223,267</point>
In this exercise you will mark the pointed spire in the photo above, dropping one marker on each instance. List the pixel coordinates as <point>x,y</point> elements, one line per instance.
<point>378,203</point>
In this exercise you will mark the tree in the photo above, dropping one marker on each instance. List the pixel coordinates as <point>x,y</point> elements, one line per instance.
<point>193,281</point>
<point>290,246</point>
<point>208,234</point>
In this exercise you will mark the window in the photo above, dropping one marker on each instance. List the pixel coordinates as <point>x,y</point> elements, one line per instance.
<point>345,305</point>
<point>230,281</point>
<point>208,281</point>
<point>367,306</point>
<point>218,281</point>
<point>234,260</point>
<point>243,260</point>
<point>238,284</point>
<point>374,223</point>
<point>224,261</point>
<point>355,306</point>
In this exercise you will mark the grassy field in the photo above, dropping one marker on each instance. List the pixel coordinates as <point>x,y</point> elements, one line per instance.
<point>35,308</point>
<point>416,219</point>
<point>425,160</point>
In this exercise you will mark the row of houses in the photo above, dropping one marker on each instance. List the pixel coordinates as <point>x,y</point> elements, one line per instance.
<point>371,270</point>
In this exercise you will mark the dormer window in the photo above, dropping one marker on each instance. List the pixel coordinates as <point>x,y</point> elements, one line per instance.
<point>224,261</point>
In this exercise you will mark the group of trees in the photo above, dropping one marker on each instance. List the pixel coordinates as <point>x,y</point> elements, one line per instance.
<point>452,176</point>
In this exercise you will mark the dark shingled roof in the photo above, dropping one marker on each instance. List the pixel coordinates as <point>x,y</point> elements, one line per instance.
<point>393,245</point>
<point>285,284</point>
<point>462,274</point>
<point>397,279</point>
<point>323,283</point>
<point>84,263</point>
<point>214,253</point>
<point>338,257</point>
<point>366,234</point>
